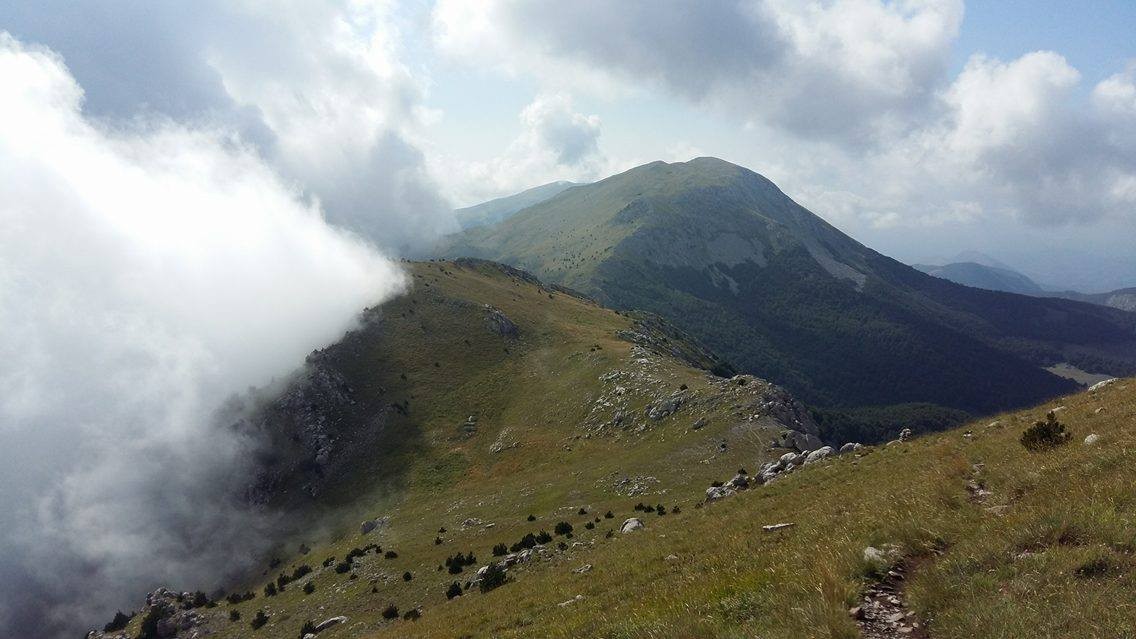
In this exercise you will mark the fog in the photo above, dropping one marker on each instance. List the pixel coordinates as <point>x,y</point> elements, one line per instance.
<point>148,271</point>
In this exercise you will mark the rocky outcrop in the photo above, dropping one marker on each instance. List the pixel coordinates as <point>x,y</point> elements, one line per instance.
<point>498,323</point>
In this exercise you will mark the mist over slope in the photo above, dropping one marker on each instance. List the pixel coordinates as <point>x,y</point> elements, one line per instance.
<point>502,208</point>
<point>147,274</point>
<point>723,253</point>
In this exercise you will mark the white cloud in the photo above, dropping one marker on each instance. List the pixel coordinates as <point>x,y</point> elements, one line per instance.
<point>147,272</point>
<point>318,87</point>
<point>556,142</point>
<point>843,70</point>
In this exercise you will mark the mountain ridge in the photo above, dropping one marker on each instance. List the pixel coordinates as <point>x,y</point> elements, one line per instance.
<point>725,254</point>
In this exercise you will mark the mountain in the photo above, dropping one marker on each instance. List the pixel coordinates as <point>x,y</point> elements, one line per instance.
<point>723,254</point>
<point>991,278</point>
<point>502,208</point>
<point>1123,299</point>
<point>1002,278</point>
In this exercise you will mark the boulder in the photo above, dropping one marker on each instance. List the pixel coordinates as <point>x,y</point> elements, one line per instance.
<point>905,434</point>
<point>631,525</point>
<point>1092,439</point>
<point>718,492</point>
<point>327,623</point>
<point>819,454</point>
<point>882,557</point>
<point>739,482</point>
<point>850,447</point>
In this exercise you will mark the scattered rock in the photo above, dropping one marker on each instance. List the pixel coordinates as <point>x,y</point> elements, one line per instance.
<point>1091,439</point>
<point>565,604</point>
<point>583,569</point>
<point>850,447</point>
<point>905,435</point>
<point>776,527</point>
<point>631,525</point>
<point>699,424</point>
<point>670,558</point>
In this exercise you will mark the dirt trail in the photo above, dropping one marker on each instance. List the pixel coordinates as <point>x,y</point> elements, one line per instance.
<point>883,611</point>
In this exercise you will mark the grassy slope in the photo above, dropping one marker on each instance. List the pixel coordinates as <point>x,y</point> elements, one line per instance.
<point>1065,509</point>
<point>1010,568</point>
<point>425,473</point>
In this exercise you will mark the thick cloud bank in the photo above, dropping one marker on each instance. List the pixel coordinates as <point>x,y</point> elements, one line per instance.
<point>318,87</point>
<point>147,273</point>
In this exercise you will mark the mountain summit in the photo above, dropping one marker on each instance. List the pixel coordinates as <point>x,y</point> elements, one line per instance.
<point>726,255</point>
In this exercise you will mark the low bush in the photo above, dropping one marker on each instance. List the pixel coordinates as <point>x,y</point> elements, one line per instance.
<point>1045,435</point>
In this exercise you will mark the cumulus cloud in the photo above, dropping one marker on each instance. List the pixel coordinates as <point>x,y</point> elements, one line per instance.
<point>318,87</point>
<point>851,100</point>
<point>842,70</point>
<point>147,272</point>
<point>556,142</point>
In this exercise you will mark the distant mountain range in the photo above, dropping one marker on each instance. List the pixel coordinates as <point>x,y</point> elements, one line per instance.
<point>724,254</point>
<point>1003,278</point>
<point>494,211</point>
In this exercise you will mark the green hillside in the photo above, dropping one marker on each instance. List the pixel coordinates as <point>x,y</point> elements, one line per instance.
<point>725,255</point>
<point>459,434</point>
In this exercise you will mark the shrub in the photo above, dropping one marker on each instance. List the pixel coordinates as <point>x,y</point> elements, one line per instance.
<point>493,577</point>
<point>301,571</point>
<point>236,598</point>
<point>609,515</point>
<point>328,562</point>
<point>589,525</point>
<point>532,517</point>
<point>118,623</point>
<point>390,554</point>
<point>270,590</point>
<point>528,541</point>
<point>234,615</point>
<point>583,511</point>
<point>342,567</point>
<point>406,576</point>
<point>412,615</point>
<point>543,537</point>
<point>309,587</point>
<point>455,590</point>
<point>390,612</point>
<point>563,528</point>
<point>661,510</point>
<point>500,550</point>
<point>309,628</point>
<point>259,620</point>
<point>1045,435</point>
<point>437,541</point>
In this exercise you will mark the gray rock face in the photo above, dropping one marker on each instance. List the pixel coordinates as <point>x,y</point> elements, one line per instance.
<point>1099,385</point>
<point>496,321</point>
<point>799,441</point>
<point>631,525</point>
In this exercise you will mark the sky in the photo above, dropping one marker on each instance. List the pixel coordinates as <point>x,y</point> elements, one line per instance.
<point>195,195</point>
<point>923,128</point>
